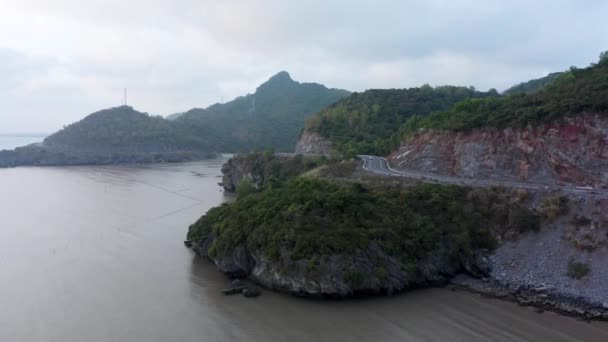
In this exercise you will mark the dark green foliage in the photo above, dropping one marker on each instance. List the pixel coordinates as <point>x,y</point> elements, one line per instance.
<point>309,218</point>
<point>271,117</point>
<point>574,92</point>
<point>367,123</point>
<point>245,188</point>
<point>554,206</point>
<point>342,169</point>
<point>577,269</point>
<point>525,220</point>
<point>123,129</point>
<point>269,170</point>
<point>533,86</point>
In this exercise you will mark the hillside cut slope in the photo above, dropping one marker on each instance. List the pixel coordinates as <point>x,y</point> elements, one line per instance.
<point>558,135</point>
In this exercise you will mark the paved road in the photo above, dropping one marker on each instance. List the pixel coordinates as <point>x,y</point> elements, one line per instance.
<point>380,165</point>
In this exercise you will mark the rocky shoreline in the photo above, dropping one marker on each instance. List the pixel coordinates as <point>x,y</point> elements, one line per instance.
<point>540,297</point>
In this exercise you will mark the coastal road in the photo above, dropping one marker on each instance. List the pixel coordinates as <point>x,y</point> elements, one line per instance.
<point>381,166</point>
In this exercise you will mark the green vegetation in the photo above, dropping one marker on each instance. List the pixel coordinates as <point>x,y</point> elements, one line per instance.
<point>123,129</point>
<point>367,123</point>
<point>533,86</point>
<point>574,92</point>
<point>245,187</point>
<point>554,206</point>
<point>311,219</point>
<point>272,117</point>
<point>253,171</point>
<point>577,269</point>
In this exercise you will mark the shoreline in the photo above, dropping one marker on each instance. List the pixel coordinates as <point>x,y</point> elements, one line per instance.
<point>62,160</point>
<point>540,297</point>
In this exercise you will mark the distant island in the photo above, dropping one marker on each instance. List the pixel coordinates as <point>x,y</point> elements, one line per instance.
<point>271,117</point>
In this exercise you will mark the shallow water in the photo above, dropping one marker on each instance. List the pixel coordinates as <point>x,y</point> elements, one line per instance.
<point>96,254</point>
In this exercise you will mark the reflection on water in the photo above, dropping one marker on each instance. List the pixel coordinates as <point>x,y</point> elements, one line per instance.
<point>96,254</point>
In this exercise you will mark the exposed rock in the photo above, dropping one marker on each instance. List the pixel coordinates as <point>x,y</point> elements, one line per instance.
<point>367,272</point>
<point>569,151</point>
<point>248,168</point>
<point>313,143</point>
<point>252,292</point>
<point>479,265</point>
<point>257,168</point>
<point>237,264</point>
<point>526,296</point>
<point>236,287</point>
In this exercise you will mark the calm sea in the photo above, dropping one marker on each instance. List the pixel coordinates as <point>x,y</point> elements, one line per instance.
<point>97,254</point>
<point>10,141</point>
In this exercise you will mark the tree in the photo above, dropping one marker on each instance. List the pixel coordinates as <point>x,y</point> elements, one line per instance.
<point>603,57</point>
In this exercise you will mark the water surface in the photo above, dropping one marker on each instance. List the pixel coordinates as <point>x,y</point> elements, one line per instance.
<point>96,254</point>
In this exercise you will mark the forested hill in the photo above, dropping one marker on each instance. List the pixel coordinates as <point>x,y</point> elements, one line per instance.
<point>368,122</point>
<point>123,129</point>
<point>575,92</point>
<point>271,117</point>
<point>533,86</point>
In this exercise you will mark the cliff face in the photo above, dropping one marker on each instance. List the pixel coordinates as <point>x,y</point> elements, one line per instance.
<point>259,168</point>
<point>248,168</point>
<point>340,275</point>
<point>313,143</point>
<point>570,151</point>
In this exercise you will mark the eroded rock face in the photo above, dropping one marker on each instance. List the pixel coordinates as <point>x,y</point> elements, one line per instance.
<point>570,151</point>
<point>369,271</point>
<point>313,143</point>
<point>242,168</point>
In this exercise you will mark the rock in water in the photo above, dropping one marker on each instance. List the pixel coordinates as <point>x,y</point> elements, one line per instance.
<point>236,287</point>
<point>251,292</point>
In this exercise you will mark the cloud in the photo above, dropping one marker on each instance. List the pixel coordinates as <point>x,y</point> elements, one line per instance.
<point>63,59</point>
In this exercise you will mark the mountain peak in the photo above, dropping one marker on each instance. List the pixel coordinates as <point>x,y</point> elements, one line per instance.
<point>277,83</point>
<point>281,76</point>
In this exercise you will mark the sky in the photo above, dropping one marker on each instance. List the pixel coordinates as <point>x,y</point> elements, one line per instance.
<point>63,59</point>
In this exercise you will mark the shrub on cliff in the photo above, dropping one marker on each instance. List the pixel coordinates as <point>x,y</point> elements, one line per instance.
<point>262,169</point>
<point>553,207</point>
<point>577,269</point>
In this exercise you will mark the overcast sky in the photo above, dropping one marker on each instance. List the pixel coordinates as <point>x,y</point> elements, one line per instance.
<point>63,59</point>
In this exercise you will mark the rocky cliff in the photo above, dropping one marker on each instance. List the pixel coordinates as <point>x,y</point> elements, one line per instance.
<point>256,169</point>
<point>571,151</point>
<point>247,167</point>
<point>313,143</point>
<point>561,267</point>
<point>369,271</point>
